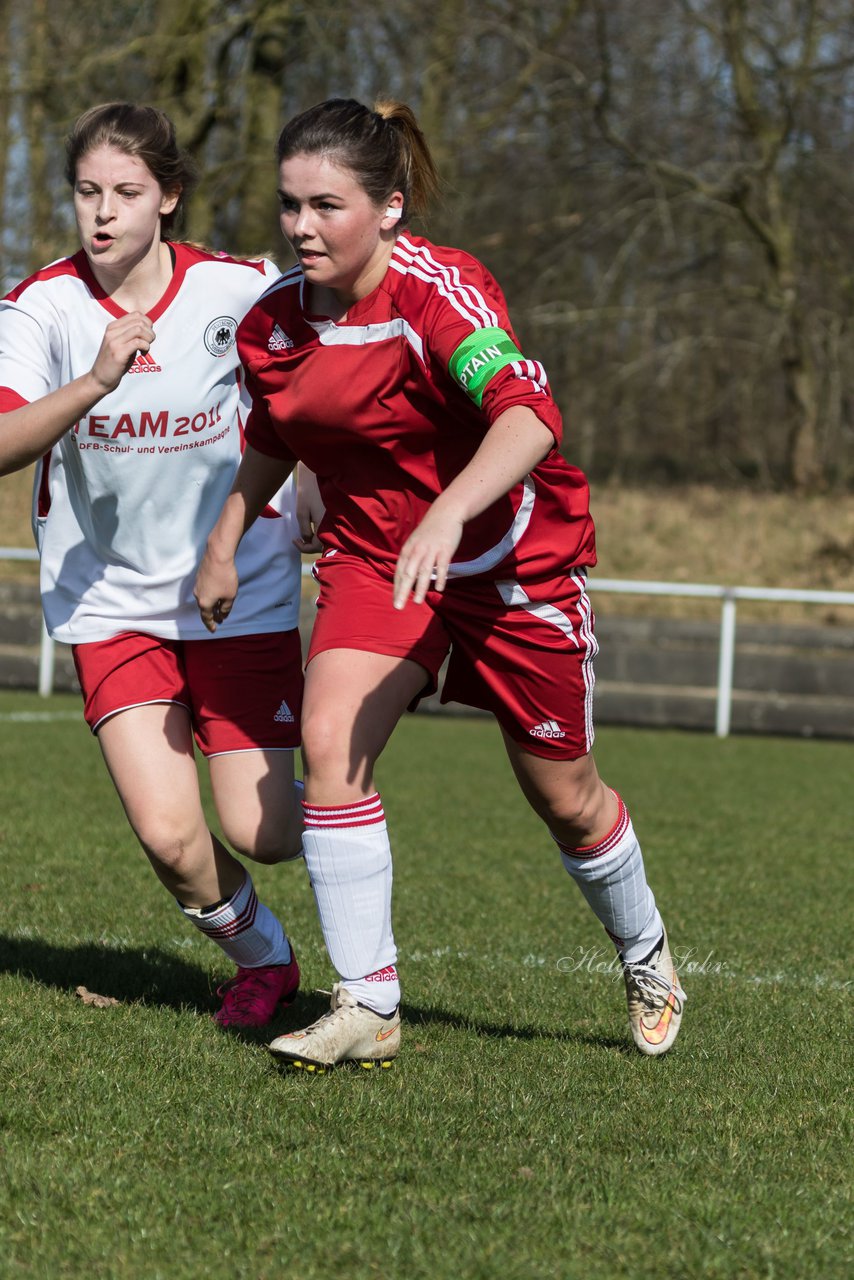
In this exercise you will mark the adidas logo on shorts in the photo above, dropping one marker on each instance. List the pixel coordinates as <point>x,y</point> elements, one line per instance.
<point>279,340</point>
<point>284,715</point>
<point>548,729</point>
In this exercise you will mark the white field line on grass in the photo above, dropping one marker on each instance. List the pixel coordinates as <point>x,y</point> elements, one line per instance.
<point>690,964</point>
<point>594,962</point>
<point>38,717</point>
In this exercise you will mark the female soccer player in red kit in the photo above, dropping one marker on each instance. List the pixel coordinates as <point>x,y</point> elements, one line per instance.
<point>119,376</point>
<point>453,526</point>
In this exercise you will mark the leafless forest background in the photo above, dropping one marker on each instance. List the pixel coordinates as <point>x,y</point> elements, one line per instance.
<point>665,188</point>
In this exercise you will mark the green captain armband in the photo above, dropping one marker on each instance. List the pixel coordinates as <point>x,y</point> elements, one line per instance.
<point>477,360</point>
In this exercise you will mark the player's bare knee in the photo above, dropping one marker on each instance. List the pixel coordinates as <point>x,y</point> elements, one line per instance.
<point>271,842</point>
<point>324,746</point>
<point>575,815</point>
<point>168,851</point>
<point>269,851</point>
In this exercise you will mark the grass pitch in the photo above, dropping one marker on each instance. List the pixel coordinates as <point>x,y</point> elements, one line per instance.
<point>518,1134</point>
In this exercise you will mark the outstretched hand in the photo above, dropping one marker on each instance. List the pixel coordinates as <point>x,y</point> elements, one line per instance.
<point>426,556</point>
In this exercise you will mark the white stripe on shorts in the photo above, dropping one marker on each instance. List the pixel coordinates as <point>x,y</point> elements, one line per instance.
<point>513,594</point>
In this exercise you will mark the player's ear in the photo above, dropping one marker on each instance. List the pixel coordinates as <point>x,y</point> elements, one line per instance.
<point>393,211</point>
<point>169,200</point>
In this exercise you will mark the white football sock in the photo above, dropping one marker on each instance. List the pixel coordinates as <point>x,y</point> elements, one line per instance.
<point>611,876</point>
<point>348,858</point>
<point>246,930</point>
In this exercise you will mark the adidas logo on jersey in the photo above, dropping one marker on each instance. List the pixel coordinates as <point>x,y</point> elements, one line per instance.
<point>145,363</point>
<point>548,729</point>
<point>279,340</point>
<point>284,715</point>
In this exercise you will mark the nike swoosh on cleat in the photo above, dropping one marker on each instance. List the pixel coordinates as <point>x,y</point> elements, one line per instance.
<point>656,1034</point>
<point>384,1035</point>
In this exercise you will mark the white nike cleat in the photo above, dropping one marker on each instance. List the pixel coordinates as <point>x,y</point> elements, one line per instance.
<point>350,1032</point>
<point>655,1000</point>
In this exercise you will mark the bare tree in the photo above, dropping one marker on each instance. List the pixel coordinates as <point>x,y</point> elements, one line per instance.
<point>769,58</point>
<point>663,191</point>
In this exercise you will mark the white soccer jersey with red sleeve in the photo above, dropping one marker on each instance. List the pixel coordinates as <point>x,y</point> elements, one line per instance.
<point>388,405</point>
<point>124,503</point>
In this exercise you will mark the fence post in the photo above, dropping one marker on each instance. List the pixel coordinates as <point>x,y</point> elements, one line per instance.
<point>726,663</point>
<point>46,663</point>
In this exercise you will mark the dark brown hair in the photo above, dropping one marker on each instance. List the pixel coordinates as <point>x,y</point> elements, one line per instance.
<point>144,132</point>
<point>384,148</point>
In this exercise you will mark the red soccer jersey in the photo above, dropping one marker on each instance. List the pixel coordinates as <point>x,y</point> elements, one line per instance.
<point>388,406</point>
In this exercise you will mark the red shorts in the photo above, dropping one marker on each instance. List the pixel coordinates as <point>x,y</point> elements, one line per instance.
<point>243,693</point>
<point>523,653</point>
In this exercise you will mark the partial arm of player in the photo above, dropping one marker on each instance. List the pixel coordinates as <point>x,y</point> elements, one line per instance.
<point>258,478</point>
<point>26,433</point>
<point>511,448</point>
<point>310,511</point>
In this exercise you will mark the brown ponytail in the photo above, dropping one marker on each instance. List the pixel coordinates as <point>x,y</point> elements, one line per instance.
<point>421,177</point>
<point>384,148</point>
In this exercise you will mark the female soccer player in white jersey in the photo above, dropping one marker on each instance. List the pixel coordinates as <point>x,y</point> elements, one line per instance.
<point>452,524</point>
<point>119,373</point>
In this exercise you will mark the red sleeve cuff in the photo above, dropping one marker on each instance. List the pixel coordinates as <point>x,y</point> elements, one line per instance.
<point>10,399</point>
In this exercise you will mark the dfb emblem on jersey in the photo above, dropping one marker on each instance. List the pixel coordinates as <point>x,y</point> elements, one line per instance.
<point>219,335</point>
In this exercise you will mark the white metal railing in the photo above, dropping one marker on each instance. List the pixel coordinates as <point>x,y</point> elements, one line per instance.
<point>728,596</point>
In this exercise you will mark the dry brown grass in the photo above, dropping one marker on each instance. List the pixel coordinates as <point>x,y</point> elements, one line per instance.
<point>15,505</point>
<point>735,538</point>
<point>689,534</point>
<point>15,500</point>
